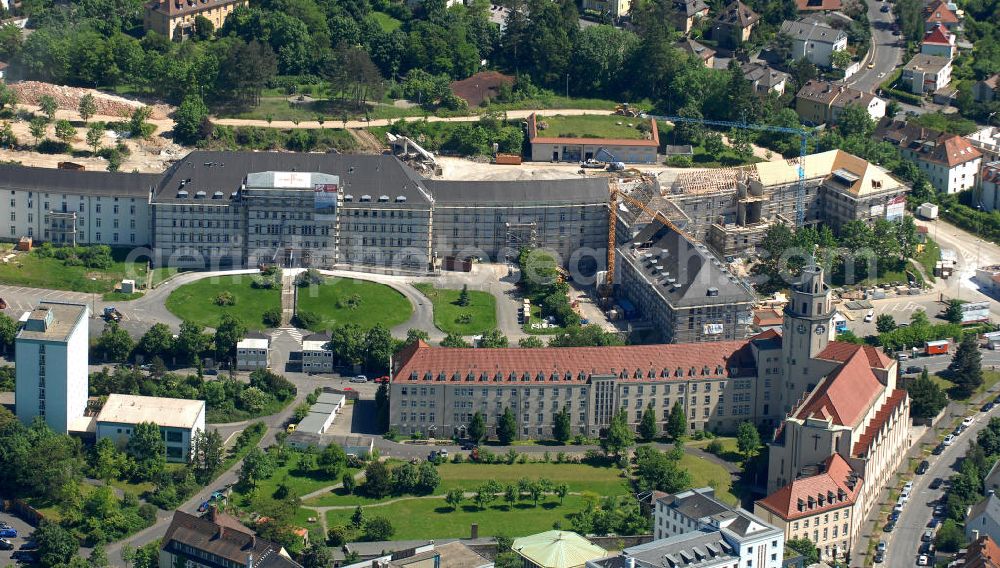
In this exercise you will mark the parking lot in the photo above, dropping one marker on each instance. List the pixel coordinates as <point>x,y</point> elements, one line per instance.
<point>23,531</point>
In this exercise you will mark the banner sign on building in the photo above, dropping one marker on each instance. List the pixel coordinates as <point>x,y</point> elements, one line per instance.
<point>973,312</point>
<point>292,180</point>
<point>325,200</point>
<point>876,210</point>
<point>895,208</point>
<point>712,329</point>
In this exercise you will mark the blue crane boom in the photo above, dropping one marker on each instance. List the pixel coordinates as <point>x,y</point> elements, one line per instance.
<point>800,192</point>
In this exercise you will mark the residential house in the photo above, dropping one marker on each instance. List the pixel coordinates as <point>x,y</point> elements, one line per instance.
<point>991,483</point>
<point>253,352</point>
<point>614,8</point>
<point>179,421</point>
<point>175,18</point>
<point>688,12</point>
<point>765,79</point>
<point>822,102</point>
<point>814,41</point>
<point>819,5</point>
<point>986,91</point>
<point>982,552</point>
<point>698,50</point>
<point>926,73</point>
<point>939,41</point>
<point>983,519</point>
<point>218,539</point>
<point>989,198</point>
<point>734,24</point>
<point>951,162</point>
<point>454,554</point>
<point>819,507</point>
<point>988,141</point>
<point>556,549</point>
<point>938,13</point>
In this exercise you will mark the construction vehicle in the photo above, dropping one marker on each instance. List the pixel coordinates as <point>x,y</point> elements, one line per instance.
<point>112,314</point>
<point>613,163</point>
<point>624,110</point>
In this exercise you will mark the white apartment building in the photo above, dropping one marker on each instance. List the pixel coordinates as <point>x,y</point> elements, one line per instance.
<point>926,73</point>
<point>178,419</point>
<point>51,370</point>
<point>950,162</point>
<point>76,207</point>
<point>814,41</point>
<point>253,352</point>
<point>316,358</point>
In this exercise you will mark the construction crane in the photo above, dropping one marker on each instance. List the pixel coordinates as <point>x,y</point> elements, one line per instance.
<point>800,193</point>
<point>614,193</point>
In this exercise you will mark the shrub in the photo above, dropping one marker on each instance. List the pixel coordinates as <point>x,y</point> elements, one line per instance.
<point>272,317</point>
<point>306,319</point>
<point>680,161</point>
<point>308,278</point>
<point>225,299</point>
<point>714,447</point>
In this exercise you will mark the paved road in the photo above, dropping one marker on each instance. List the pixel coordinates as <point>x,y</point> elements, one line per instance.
<point>885,51</point>
<point>972,252</point>
<point>23,530</point>
<point>904,542</point>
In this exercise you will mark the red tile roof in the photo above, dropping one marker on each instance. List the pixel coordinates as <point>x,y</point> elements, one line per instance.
<point>841,351</point>
<point>534,138</point>
<point>845,395</point>
<point>824,5</point>
<point>768,317</point>
<point>878,422</point>
<point>833,481</point>
<point>939,35</point>
<point>420,362</point>
<point>981,553</point>
<point>938,13</point>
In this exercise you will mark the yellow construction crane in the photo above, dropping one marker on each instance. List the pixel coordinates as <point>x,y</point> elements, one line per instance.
<point>614,194</point>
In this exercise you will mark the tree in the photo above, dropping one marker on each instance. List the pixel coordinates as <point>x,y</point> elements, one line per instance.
<point>562,490</point>
<point>378,482</point>
<point>647,426</point>
<point>148,450</point>
<point>507,427</point>
<point>966,367</point>
<point>926,397</point>
<point>48,106</point>
<point>247,70</point>
<point>454,340</point>
<point>379,347</point>
<point>203,28</point>
<point>349,483</point>
<point>191,122</point>
<point>660,470</point>
<point>56,545</point>
<point>271,317</point>
<point>885,323</point>
<point>358,517</point>
<point>561,427</point>
<point>413,335</point>
<point>530,342</point>
<point>208,452</point>
<point>477,428</point>
<point>953,313</point>
<point>114,158</point>
<point>677,421</point>
<point>619,437</point>
<point>463,296</point>
<point>190,342</point>
<point>949,537</point>
<point>157,341</point>
<point>37,126</point>
<point>257,465</point>
<point>315,555</point>
<point>115,343</point>
<point>65,131</point>
<point>454,498</point>
<point>747,440</point>
<point>229,332</point>
<point>493,339</point>
<point>95,134</point>
<point>377,529</point>
<point>7,137</point>
<point>87,107</point>
<point>806,548</point>
<point>107,461</point>
<point>510,494</point>
<point>428,479</point>
<point>98,557</point>
<point>332,460</point>
<point>8,331</point>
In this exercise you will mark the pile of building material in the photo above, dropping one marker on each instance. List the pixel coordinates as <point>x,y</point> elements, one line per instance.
<point>68,98</point>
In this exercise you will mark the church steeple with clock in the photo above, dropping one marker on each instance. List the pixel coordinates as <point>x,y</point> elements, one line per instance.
<point>806,333</point>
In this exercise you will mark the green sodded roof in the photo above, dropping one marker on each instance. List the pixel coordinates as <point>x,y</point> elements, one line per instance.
<point>557,549</point>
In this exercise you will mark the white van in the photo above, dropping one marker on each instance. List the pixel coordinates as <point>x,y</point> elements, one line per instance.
<point>869,316</point>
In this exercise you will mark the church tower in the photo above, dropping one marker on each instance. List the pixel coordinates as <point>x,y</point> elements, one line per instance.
<point>806,332</point>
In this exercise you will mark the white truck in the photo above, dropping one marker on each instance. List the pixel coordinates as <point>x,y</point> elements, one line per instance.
<point>928,211</point>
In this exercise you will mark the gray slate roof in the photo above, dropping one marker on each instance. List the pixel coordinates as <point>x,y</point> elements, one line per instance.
<point>519,192</point>
<point>814,32</point>
<point>48,180</point>
<point>698,549</point>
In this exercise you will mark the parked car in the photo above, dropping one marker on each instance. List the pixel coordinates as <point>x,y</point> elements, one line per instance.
<point>468,446</point>
<point>968,420</point>
<point>933,523</point>
<point>987,407</point>
<point>880,546</point>
<point>997,399</point>
<point>894,515</point>
<point>291,428</point>
<point>948,440</point>
<point>8,533</point>
<point>922,468</point>
<point>869,316</point>
<point>884,9</point>
<point>923,560</point>
<point>927,536</point>
<point>936,483</point>
<point>914,369</point>
<point>938,510</point>
<point>889,526</point>
<point>6,544</point>
<point>938,449</point>
<point>359,379</point>
<point>203,507</point>
<point>908,486</point>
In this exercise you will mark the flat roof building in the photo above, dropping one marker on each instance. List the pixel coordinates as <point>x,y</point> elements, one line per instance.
<point>178,419</point>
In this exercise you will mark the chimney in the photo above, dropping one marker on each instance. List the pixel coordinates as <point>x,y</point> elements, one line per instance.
<point>475,530</point>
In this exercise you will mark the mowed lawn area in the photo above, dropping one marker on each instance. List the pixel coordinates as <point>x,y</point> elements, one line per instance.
<point>477,317</point>
<point>29,269</point>
<point>592,126</point>
<point>197,301</point>
<point>346,300</point>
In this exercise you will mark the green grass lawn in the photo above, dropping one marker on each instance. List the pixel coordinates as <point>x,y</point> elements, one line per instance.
<point>29,269</point>
<point>346,300</point>
<point>730,452</point>
<point>196,301</point>
<point>436,519</point>
<point>386,22</point>
<point>482,310</point>
<point>990,379</point>
<point>929,257</point>
<point>591,126</point>
<point>161,274</point>
<point>706,473</point>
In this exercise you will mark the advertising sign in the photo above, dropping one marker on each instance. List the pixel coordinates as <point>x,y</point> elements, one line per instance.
<point>325,200</point>
<point>292,180</point>
<point>895,208</point>
<point>712,329</point>
<point>876,210</point>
